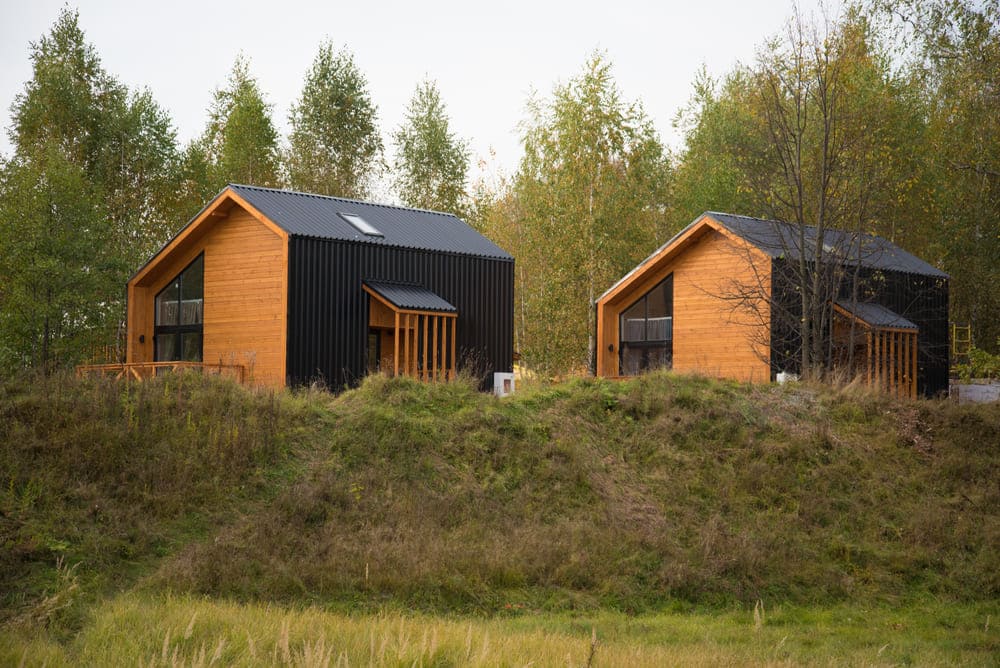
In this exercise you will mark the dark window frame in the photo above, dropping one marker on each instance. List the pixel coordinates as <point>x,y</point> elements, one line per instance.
<point>177,332</point>
<point>647,347</point>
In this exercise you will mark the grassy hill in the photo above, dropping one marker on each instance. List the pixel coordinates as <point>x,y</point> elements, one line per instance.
<point>662,492</point>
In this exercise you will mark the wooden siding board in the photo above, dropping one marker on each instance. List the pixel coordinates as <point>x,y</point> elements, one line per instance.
<point>245,294</point>
<point>710,335</point>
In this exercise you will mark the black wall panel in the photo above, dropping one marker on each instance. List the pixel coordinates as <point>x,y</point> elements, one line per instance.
<point>919,298</point>
<point>328,309</point>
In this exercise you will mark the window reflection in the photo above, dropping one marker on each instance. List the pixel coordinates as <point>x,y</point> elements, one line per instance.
<point>646,331</point>
<point>179,316</point>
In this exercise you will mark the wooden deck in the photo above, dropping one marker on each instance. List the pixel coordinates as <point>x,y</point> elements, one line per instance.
<point>143,370</point>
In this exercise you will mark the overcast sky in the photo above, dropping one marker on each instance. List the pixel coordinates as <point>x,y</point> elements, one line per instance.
<point>486,58</point>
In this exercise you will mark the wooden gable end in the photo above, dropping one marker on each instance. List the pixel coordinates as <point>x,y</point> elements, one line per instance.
<point>714,331</point>
<point>245,289</point>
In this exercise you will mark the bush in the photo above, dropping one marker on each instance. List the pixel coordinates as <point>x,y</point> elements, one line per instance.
<point>981,365</point>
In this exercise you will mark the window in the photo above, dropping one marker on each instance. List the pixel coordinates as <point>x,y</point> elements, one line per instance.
<point>361,225</point>
<point>180,314</point>
<point>646,331</point>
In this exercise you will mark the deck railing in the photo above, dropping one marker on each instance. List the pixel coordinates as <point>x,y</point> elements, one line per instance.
<point>144,370</point>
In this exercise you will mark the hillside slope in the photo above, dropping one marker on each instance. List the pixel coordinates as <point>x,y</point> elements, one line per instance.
<point>589,493</point>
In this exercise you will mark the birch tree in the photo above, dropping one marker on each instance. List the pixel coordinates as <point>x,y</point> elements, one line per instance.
<point>240,142</point>
<point>86,197</point>
<point>334,147</point>
<point>592,188</point>
<point>432,162</point>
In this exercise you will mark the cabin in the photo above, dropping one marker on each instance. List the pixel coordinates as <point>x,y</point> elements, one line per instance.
<point>719,298</point>
<point>290,288</point>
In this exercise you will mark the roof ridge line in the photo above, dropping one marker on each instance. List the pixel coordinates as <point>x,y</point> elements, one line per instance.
<point>342,199</point>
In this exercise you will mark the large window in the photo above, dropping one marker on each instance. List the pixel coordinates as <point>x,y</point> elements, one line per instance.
<point>647,331</point>
<point>179,315</point>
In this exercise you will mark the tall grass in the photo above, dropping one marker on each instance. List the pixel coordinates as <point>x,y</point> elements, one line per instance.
<point>99,477</point>
<point>628,495</point>
<point>577,496</point>
<point>186,631</point>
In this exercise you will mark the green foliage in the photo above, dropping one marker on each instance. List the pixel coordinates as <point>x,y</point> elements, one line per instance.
<point>591,194</point>
<point>86,197</point>
<point>707,177</point>
<point>240,142</point>
<point>138,178</point>
<point>56,263</point>
<point>124,142</point>
<point>195,183</point>
<point>335,147</point>
<point>982,364</point>
<point>959,70</point>
<point>432,163</point>
<point>69,97</point>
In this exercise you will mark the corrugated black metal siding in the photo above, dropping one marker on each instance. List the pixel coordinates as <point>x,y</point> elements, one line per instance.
<point>919,298</point>
<point>328,309</point>
<point>924,301</point>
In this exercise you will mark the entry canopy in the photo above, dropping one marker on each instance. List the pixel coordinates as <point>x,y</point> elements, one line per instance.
<point>409,297</point>
<point>875,315</point>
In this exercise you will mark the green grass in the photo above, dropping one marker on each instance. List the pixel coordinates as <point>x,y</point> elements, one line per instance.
<point>623,495</point>
<point>565,502</point>
<point>143,630</point>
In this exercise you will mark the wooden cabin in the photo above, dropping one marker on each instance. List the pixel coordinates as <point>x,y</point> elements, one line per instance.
<point>291,288</point>
<point>718,298</point>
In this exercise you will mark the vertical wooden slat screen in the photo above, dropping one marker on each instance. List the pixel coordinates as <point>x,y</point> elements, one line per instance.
<point>432,342</point>
<point>905,357</point>
<point>451,370</point>
<point>887,360</point>
<point>890,357</point>
<point>894,359</point>
<point>423,363</point>
<point>421,340</point>
<point>877,361</point>
<point>415,343</point>
<point>395,347</point>
<point>444,351</point>
<point>406,344</point>
<point>868,354</point>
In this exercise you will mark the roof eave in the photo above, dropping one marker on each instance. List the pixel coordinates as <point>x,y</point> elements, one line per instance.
<point>226,194</point>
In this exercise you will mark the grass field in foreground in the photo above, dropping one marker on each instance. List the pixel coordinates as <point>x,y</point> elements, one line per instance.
<point>174,631</point>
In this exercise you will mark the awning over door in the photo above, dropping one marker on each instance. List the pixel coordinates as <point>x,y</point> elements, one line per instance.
<point>419,320</point>
<point>875,315</point>
<point>882,344</point>
<point>409,297</point>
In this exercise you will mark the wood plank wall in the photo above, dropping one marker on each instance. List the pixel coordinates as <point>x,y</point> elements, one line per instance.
<point>710,337</point>
<point>246,273</point>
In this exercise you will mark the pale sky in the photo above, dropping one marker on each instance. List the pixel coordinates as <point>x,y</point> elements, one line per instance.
<point>486,58</point>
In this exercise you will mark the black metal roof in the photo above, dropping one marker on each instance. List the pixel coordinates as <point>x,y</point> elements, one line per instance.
<point>876,315</point>
<point>410,297</point>
<point>318,216</point>
<point>779,239</point>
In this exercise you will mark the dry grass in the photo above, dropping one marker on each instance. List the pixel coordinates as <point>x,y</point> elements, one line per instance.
<point>196,632</point>
<point>578,496</point>
<point>629,495</point>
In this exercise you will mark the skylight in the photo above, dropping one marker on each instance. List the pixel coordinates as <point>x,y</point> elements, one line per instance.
<point>361,224</point>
